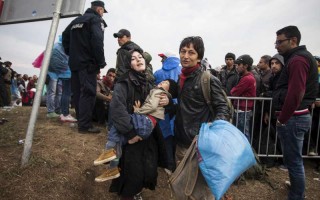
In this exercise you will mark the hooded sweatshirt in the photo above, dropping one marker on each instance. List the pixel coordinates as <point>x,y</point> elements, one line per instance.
<point>171,69</point>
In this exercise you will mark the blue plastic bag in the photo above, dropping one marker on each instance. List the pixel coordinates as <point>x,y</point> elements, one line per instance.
<point>224,154</point>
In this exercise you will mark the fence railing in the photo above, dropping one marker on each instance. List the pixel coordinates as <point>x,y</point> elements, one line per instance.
<point>257,122</point>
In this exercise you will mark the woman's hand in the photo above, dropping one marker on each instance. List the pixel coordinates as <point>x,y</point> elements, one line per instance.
<point>135,139</point>
<point>164,100</point>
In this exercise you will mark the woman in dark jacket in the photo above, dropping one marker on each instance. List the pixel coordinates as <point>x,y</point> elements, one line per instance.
<point>140,158</point>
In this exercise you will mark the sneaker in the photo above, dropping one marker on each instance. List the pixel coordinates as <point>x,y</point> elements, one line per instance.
<point>283,168</point>
<point>105,157</point>
<point>93,130</point>
<point>137,196</point>
<point>312,152</point>
<point>67,118</point>
<point>108,175</point>
<point>52,115</point>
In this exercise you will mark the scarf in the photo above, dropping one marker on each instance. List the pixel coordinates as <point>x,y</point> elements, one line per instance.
<point>139,80</point>
<point>107,82</point>
<point>185,72</point>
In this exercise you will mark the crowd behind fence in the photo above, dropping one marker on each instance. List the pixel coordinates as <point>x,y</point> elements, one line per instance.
<point>263,135</point>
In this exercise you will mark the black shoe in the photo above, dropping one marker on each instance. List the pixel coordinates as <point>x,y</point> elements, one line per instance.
<point>92,130</point>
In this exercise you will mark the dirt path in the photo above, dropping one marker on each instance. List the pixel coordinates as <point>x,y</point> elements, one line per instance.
<point>61,165</point>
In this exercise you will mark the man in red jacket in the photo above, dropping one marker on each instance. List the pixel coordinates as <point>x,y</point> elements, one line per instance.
<point>246,87</point>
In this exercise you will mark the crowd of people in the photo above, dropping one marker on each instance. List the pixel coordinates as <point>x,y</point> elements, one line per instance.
<point>15,89</point>
<point>152,118</point>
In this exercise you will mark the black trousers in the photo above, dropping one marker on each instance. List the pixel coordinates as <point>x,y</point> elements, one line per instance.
<point>83,87</point>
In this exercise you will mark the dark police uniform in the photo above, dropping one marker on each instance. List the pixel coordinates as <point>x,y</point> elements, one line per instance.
<point>83,42</point>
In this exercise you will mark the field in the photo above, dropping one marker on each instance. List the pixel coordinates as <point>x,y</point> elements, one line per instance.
<point>61,166</point>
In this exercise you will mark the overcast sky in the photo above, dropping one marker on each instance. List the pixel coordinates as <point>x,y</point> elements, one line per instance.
<point>238,26</point>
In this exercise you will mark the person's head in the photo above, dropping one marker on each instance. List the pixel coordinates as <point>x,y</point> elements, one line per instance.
<point>35,78</point>
<point>111,73</point>
<point>107,81</point>
<point>287,38</point>
<point>123,36</point>
<point>229,59</point>
<point>276,63</point>
<point>138,63</point>
<point>244,64</point>
<point>25,77</point>
<point>98,6</point>
<point>7,63</point>
<point>171,86</point>
<point>191,51</point>
<point>264,62</point>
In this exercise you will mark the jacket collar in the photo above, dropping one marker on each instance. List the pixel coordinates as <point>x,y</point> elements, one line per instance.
<point>288,54</point>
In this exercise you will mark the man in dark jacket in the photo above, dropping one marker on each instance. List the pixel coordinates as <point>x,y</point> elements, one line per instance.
<point>296,90</point>
<point>123,55</point>
<point>83,42</point>
<point>228,75</point>
<point>192,109</point>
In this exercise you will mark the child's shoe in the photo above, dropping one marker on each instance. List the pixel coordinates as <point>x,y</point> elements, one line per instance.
<point>105,157</point>
<point>108,175</point>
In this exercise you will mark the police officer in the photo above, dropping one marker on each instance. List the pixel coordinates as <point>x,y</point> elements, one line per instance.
<point>83,42</point>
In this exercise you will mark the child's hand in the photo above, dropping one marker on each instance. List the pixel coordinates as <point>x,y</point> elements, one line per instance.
<point>136,106</point>
<point>135,139</point>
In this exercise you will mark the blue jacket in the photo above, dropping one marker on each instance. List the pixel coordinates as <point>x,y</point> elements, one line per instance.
<point>58,66</point>
<point>171,69</point>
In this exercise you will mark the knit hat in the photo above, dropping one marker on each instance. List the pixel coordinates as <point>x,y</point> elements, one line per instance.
<point>173,88</point>
<point>230,55</point>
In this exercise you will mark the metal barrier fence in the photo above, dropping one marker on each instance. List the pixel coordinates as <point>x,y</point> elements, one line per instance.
<point>263,135</point>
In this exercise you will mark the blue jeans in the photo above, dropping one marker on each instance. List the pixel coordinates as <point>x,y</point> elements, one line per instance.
<point>115,141</point>
<point>242,121</point>
<point>291,137</point>
<point>53,96</point>
<point>65,97</point>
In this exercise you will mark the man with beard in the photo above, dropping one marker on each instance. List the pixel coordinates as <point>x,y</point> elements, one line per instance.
<point>295,92</point>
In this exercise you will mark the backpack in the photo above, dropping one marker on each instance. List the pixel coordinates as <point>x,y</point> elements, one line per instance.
<point>205,86</point>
